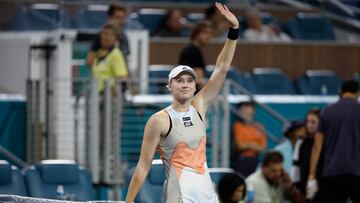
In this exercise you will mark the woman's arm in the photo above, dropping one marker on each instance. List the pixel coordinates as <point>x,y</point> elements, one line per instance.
<point>154,129</point>
<point>223,62</point>
<point>315,154</point>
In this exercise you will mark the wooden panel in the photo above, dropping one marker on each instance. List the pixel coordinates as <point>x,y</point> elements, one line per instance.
<point>293,58</point>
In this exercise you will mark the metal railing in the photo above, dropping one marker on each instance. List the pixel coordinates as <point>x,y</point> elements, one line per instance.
<point>276,115</point>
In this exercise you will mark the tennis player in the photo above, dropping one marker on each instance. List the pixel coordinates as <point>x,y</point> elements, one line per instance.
<point>178,132</point>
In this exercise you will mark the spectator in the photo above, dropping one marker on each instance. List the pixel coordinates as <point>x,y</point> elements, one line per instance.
<point>257,32</point>
<point>271,183</point>
<point>303,161</point>
<point>295,131</point>
<point>109,61</point>
<point>250,139</point>
<point>218,22</point>
<point>117,16</point>
<point>192,55</point>
<point>174,25</point>
<point>231,188</point>
<point>339,138</point>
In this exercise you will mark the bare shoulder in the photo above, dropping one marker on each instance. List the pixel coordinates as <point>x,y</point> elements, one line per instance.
<point>198,104</point>
<point>160,121</point>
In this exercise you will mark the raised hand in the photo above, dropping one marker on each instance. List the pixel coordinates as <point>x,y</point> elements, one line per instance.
<point>228,15</point>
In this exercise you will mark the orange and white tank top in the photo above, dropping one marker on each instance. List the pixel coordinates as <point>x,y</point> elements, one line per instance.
<point>183,152</point>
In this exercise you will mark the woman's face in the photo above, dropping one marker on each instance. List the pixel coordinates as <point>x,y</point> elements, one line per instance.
<point>239,193</point>
<point>182,87</point>
<point>108,38</point>
<point>312,122</point>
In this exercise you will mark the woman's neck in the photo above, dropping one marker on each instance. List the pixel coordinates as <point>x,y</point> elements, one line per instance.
<point>181,107</point>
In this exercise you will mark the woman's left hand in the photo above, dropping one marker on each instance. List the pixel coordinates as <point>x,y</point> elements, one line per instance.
<point>228,15</point>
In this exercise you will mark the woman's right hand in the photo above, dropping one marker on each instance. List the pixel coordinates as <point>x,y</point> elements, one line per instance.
<point>228,15</point>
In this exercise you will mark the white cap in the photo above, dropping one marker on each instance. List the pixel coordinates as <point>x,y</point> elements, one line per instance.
<point>179,69</point>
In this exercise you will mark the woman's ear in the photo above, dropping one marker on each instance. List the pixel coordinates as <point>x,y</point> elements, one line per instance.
<point>168,86</point>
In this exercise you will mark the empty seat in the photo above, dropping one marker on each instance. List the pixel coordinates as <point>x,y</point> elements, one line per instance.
<point>271,81</point>
<point>151,18</point>
<point>316,82</point>
<point>45,178</point>
<point>217,173</point>
<point>310,26</point>
<point>244,80</point>
<point>11,180</point>
<point>152,189</point>
<point>93,17</point>
<point>38,17</point>
<point>237,79</point>
<point>158,78</point>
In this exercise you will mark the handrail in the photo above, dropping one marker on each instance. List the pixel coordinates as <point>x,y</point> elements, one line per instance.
<point>285,122</point>
<point>13,157</point>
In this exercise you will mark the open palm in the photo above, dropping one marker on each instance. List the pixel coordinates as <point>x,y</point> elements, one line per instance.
<point>228,15</point>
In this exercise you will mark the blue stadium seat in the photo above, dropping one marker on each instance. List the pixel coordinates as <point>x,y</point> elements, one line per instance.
<point>317,82</point>
<point>152,189</point>
<point>93,17</point>
<point>236,77</point>
<point>310,26</point>
<point>158,77</point>
<point>271,81</point>
<point>151,18</point>
<point>242,79</point>
<point>11,180</point>
<point>44,179</point>
<point>217,173</point>
<point>37,17</point>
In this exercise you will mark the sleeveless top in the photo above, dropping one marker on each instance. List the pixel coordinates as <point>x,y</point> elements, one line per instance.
<point>183,153</point>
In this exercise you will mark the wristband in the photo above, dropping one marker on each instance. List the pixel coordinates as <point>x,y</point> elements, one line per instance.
<point>233,34</point>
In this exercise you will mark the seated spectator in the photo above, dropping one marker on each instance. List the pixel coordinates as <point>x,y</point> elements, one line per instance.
<point>295,131</point>
<point>303,161</point>
<point>174,25</point>
<point>231,188</point>
<point>250,140</point>
<point>192,55</point>
<point>257,32</point>
<point>218,22</point>
<point>109,61</point>
<point>116,16</point>
<point>271,183</point>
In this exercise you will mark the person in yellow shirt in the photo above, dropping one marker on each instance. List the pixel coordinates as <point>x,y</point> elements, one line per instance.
<point>109,63</point>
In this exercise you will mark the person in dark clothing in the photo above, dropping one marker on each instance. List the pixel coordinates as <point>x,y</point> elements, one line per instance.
<point>311,125</point>
<point>231,188</point>
<point>117,16</point>
<point>192,55</point>
<point>339,138</point>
